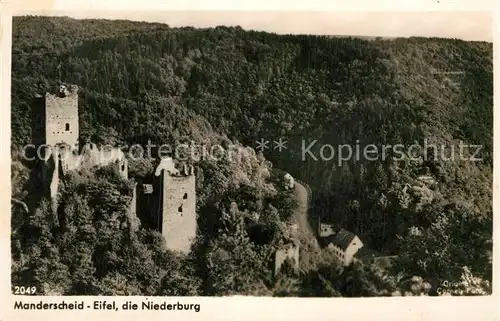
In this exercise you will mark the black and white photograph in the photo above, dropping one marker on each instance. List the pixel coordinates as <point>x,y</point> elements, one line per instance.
<point>263,154</point>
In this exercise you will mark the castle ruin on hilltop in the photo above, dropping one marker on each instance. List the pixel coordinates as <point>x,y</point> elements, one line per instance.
<point>168,203</point>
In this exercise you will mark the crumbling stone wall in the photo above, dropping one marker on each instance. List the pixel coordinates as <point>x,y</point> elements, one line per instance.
<point>133,221</point>
<point>92,156</point>
<point>288,251</point>
<point>64,159</point>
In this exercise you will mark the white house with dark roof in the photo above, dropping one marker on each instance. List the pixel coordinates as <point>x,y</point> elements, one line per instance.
<point>348,248</point>
<point>344,245</point>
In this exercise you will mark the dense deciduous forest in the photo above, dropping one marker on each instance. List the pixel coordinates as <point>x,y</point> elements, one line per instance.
<point>145,82</point>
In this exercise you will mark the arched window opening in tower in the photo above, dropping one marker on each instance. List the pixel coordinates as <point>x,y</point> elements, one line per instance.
<point>185,196</point>
<point>67,127</point>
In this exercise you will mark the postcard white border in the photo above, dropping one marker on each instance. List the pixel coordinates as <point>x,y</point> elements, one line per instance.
<point>237,308</point>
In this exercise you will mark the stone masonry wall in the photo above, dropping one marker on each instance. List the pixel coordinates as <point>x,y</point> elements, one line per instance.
<point>61,119</point>
<point>289,251</point>
<point>179,211</point>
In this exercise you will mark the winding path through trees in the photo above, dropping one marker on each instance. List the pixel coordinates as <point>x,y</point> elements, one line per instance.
<point>301,213</point>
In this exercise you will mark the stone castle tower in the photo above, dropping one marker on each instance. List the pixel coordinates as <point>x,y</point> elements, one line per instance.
<point>178,197</point>
<point>61,131</point>
<point>170,204</point>
<point>61,117</point>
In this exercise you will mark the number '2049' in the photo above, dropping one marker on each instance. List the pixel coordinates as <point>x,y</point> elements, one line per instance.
<point>22,290</point>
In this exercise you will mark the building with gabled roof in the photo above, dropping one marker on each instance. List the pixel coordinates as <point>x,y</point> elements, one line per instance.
<point>344,244</point>
<point>348,248</point>
<point>343,238</point>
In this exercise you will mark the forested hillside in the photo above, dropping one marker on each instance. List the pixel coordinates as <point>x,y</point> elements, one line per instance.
<point>142,81</point>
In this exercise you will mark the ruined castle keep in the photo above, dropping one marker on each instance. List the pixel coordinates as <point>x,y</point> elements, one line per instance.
<point>168,203</point>
<point>62,153</point>
<point>61,117</point>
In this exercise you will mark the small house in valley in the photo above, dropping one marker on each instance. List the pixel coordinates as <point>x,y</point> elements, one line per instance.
<point>348,248</point>
<point>344,244</point>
